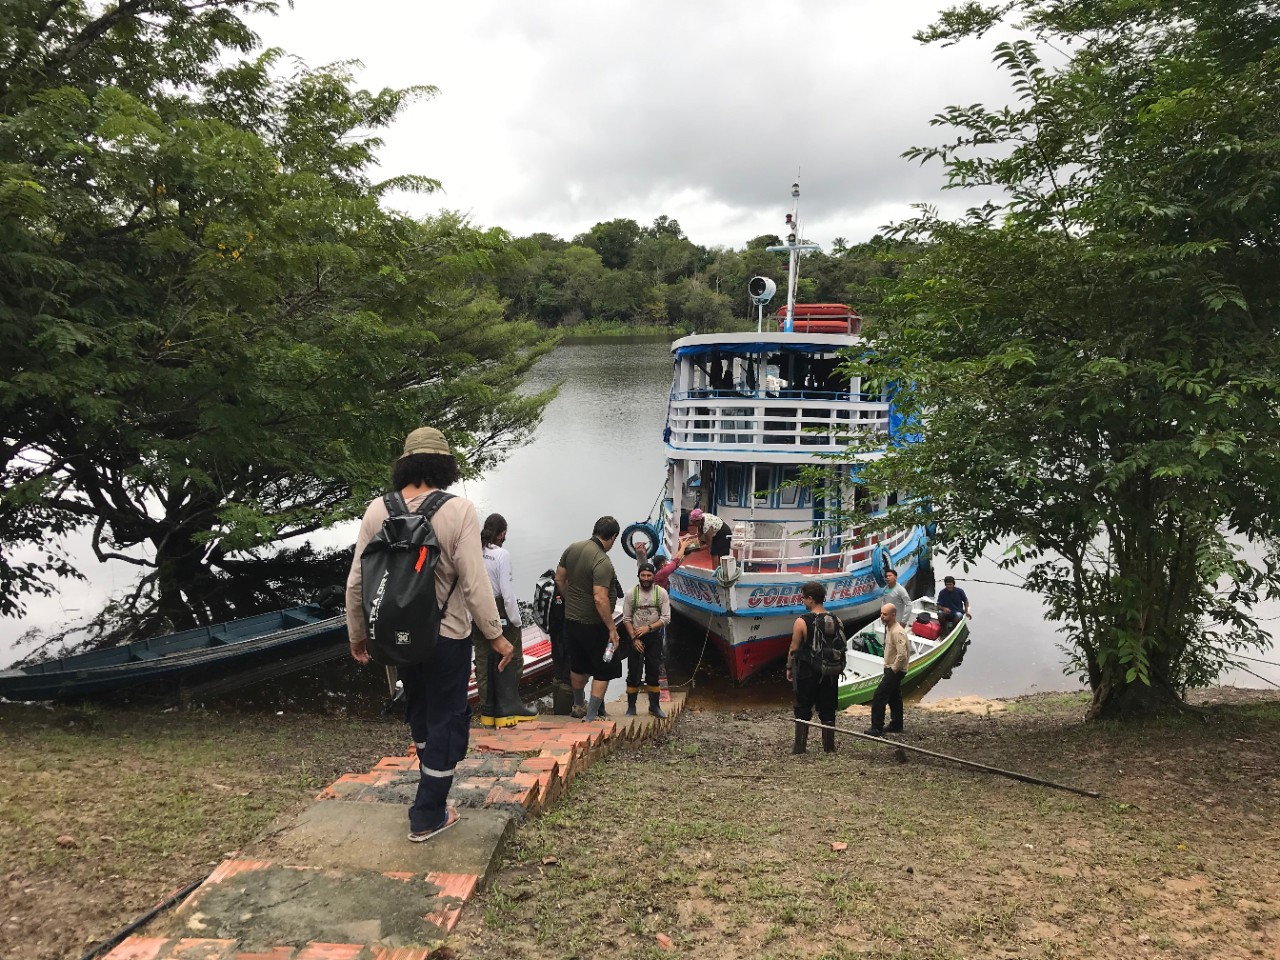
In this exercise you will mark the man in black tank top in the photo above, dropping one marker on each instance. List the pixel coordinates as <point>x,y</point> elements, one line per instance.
<point>811,688</point>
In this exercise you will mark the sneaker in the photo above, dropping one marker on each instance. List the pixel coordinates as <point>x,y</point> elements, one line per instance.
<point>893,728</point>
<point>873,732</point>
<point>578,712</point>
<point>450,818</point>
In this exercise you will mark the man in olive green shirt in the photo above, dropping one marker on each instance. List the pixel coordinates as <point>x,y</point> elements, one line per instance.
<point>586,580</point>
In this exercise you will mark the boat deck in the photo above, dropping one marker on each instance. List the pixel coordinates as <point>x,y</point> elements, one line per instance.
<point>702,560</point>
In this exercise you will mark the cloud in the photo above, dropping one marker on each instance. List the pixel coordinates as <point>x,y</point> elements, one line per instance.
<point>555,116</point>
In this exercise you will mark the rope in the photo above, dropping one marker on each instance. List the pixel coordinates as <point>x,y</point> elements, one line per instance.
<point>656,500</point>
<point>994,583</point>
<point>1265,663</point>
<point>690,683</point>
<point>1258,675</point>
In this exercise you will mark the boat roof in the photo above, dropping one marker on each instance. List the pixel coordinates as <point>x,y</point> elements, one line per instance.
<point>753,342</point>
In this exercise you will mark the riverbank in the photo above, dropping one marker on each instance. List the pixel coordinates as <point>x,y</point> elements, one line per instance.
<point>714,836</point>
<point>721,843</point>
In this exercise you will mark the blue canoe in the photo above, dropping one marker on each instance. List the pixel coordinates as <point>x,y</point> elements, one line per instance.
<point>204,651</point>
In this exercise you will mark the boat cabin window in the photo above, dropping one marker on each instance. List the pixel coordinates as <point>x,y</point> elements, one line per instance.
<point>788,496</point>
<point>785,373</point>
<point>731,494</point>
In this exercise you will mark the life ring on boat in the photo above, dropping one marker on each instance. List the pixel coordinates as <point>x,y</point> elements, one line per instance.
<point>640,531</point>
<point>879,564</point>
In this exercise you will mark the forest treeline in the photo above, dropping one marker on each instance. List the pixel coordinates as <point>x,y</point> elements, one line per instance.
<point>622,274</point>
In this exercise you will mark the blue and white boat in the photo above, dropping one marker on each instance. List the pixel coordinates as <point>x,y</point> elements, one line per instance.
<point>747,412</point>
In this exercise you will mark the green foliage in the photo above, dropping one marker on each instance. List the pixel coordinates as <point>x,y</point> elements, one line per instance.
<point>210,325</point>
<point>1095,350</point>
<point>655,276</point>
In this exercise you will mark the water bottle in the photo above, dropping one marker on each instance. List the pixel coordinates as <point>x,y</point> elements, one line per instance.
<point>608,653</point>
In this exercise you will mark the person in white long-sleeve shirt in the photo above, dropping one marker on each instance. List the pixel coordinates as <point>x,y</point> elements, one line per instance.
<point>497,564</point>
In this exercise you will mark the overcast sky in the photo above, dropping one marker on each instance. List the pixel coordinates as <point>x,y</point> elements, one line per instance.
<point>556,115</point>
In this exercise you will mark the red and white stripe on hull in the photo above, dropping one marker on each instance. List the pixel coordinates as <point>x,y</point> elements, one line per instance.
<point>750,640</point>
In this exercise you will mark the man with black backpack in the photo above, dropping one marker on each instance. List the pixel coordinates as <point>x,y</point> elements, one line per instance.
<point>417,580</point>
<point>815,662</point>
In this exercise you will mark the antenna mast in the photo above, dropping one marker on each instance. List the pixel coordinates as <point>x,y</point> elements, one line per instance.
<point>793,248</point>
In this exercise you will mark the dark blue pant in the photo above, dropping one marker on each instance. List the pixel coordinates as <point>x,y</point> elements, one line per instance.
<point>439,717</point>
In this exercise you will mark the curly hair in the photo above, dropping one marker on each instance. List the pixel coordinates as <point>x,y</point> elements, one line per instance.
<point>439,470</point>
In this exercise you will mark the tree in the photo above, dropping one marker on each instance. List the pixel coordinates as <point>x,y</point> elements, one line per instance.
<point>664,226</point>
<point>214,335</point>
<point>613,240</point>
<point>1094,349</point>
<point>699,308</point>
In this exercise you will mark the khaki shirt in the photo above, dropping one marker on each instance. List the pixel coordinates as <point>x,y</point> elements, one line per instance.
<point>461,562</point>
<point>897,649</point>
<point>586,566</point>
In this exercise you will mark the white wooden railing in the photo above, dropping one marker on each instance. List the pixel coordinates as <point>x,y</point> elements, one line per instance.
<point>815,425</point>
<point>765,554</point>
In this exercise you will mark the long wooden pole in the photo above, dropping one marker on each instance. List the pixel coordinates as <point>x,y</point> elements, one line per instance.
<point>1012,774</point>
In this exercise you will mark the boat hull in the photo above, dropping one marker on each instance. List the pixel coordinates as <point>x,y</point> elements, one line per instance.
<point>863,689</point>
<point>221,648</point>
<point>750,622</point>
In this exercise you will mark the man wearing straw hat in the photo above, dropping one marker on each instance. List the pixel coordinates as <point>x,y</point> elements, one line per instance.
<point>435,691</point>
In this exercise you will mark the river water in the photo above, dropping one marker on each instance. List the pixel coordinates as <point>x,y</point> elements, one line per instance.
<point>599,451</point>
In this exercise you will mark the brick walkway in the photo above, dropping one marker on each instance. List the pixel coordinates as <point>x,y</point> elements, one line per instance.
<point>341,881</point>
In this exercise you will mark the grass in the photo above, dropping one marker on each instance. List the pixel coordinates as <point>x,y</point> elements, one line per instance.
<point>145,803</point>
<point>724,844</point>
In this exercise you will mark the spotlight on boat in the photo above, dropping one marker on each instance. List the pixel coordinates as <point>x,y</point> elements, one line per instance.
<point>761,289</point>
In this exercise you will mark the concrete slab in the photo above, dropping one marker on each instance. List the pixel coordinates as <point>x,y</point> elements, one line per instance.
<point>342,882</point>
<point>258,906</point>
<point>374,836</point>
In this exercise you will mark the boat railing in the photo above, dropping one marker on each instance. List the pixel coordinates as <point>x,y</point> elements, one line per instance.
<point>807,548</point>
<point>817,425</point>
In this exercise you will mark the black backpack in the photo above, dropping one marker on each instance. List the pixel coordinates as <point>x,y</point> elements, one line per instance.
<point>398,567</point>
<point>825,645</point>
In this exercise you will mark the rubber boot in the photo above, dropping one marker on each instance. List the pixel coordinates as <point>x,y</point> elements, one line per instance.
<point>802,739</point>
<point>631,704</point>
<point>562,699</point>
<point>828,741</point>
<point>489,713</point>
<point>655,708</point>
<point>505,690</point>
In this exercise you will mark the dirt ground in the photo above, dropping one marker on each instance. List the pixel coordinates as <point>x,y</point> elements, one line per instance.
<point>719,842</point>
<point>714,837</point>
